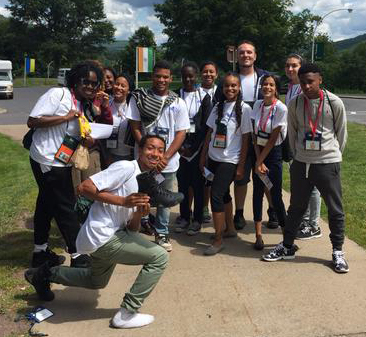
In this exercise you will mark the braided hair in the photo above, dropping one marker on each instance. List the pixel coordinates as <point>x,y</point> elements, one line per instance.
<point>238,102</point>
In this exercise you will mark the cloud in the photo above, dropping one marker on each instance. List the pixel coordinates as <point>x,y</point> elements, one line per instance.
<point>142,3</point>
<point>340,24</point>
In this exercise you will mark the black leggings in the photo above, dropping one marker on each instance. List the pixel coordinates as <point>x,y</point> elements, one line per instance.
<point>224,174</point>
<point>56,199</point>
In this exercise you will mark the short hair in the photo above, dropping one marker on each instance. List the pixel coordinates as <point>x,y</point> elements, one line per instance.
<point>82,70</point>
<point>111,70</point>
<point>295,56</point>
<point>309,68</point>
<point>162,64</point>
<point>247,42</point>
<point>148,136</point>
<point>189,64</point>
<point>276,80</point>
<point>130,81</point>
<point>207,62</point>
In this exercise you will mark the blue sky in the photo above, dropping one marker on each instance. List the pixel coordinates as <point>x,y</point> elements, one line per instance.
<point>127,16</point>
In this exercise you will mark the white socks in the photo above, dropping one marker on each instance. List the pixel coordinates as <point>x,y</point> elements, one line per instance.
<point>39,248</point>
<point>124,319</point>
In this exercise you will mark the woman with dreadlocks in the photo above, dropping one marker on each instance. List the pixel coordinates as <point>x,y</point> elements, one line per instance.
<point>226,142</point>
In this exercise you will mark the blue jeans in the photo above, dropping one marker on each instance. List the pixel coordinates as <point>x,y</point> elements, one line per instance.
<point>312,213</point>
<point>163,213</point>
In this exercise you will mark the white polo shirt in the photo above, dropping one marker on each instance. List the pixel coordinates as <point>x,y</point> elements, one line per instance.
<point>105,219</point>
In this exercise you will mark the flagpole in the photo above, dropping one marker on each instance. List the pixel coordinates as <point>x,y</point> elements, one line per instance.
<point>136,72</point>
<point>25,71</point>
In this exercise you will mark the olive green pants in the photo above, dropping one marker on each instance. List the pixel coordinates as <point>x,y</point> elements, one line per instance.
<point>125,247</point>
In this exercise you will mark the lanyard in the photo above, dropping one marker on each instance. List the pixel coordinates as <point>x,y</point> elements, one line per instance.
<point>261,124</point>
<point>190,105</point>
<point>120,109</point>
<point>314,124</point>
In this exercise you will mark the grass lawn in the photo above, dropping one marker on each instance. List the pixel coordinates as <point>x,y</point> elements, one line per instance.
<point>353,173</point>
<point>34,82</point>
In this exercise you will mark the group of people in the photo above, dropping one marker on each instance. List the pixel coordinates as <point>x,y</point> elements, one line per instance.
<point>207,136</point>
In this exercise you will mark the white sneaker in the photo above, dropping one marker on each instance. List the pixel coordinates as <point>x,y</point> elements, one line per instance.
<point>163,241</point>
<point>124,319</point>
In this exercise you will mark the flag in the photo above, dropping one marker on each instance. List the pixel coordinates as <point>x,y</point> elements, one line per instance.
<point>144,59</point>
<point>30,65</point>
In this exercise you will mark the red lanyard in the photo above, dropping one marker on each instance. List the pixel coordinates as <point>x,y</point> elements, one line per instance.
<point>314,125</point>
<point>263,125</point>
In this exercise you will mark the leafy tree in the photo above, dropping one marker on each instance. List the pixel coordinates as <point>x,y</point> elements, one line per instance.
<point>201,29</point>
<point>142,37</point>
<point>62,31</point>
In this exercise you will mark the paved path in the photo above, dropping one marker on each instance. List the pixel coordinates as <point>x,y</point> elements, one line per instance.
<point>232,294</point>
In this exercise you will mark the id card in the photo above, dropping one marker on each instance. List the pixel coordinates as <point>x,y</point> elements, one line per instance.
<point>67,149</point>
<point>313,143</point>
<point>112,141</point>
<point>262,138</point>
<point>208,174</point>
<point>219,140</point>
<point>192,127</point>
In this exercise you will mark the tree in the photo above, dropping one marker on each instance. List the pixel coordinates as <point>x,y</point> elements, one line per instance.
<point>201,29</point>
<point>62,31</point>
<point>142,37</point>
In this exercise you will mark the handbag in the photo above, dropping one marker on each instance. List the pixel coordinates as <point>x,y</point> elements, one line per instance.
<point>28,138</point>
<point>80,158</point>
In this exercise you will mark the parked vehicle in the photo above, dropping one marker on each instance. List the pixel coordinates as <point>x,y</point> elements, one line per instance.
<point>6,79</point>
<point>61,78</point>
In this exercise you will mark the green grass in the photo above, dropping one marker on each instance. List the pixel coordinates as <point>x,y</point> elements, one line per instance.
<point>353,173</point>
<point>34,82</point>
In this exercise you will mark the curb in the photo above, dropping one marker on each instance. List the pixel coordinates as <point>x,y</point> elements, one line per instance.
<point>352,97</point>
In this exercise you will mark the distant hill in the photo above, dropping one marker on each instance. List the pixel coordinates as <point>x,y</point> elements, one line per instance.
<point>116,46</point>
<point>350,43</point>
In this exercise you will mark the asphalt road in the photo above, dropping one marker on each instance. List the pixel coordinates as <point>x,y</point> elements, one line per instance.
<point>18,109</point>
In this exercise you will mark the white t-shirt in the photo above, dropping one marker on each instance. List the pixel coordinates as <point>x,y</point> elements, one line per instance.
<point>120,123</point>
<point>231,153</point>
<point>248,85</point>
<point>292,92</point>
<point>105,219</point>
<point>47,141</point>
<point>278,118</point>
<point>173,118</point>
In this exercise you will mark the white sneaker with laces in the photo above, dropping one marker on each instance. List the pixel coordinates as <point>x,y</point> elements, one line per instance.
<point>164,241</point>
<point>124,319</point>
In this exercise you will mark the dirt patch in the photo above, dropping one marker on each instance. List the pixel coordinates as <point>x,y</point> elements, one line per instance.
<point>24,220</point>
<point>8,326</point>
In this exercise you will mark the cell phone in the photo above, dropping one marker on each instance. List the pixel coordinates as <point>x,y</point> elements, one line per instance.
<point>42,313</point>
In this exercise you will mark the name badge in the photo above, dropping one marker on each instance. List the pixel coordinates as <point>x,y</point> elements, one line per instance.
<point>192,127</point>
<point>313,143</point>
<point>220,136</point>
<point>67,149</point>
<point>112,141</point>
<point>262,138</point>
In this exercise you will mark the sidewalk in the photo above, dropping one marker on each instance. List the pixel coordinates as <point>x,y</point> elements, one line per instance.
<point>232,294</point>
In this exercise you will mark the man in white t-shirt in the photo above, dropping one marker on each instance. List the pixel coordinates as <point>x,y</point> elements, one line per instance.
<point>160,111</point>
<point>250,78</point>
<point>110,235</point>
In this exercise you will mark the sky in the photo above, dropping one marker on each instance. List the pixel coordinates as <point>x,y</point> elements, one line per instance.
<point>127,16</point>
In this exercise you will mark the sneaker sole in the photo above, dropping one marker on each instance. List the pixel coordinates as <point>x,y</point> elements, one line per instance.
<point>310,237</point>
<point>192,233</point>
<point>341,271</point>
<point>278,259</point>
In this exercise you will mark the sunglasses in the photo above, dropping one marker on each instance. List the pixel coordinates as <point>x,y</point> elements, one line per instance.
<point>85,82</point>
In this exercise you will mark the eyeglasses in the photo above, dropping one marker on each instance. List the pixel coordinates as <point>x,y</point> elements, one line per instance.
<point>85,82</point>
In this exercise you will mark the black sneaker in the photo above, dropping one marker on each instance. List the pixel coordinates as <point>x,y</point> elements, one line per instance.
<point>280,252</point>
<point>147,225</point>
<point>43,256</point>
<point>38,278</point>
<point>272,222</point>
<point>308,233</point>
<point>239,222</point>
<point>82,261</point>
<point>159,196</point>
<point>339,262</point>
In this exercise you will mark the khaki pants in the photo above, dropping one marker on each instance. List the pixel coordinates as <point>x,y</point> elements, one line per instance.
<point>125,247</point>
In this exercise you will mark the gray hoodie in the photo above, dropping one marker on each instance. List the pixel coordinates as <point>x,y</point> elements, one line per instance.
<point>333,129</point>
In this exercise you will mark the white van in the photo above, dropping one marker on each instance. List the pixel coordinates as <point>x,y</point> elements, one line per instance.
<point>6,79</point>
<point>61,78</point>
